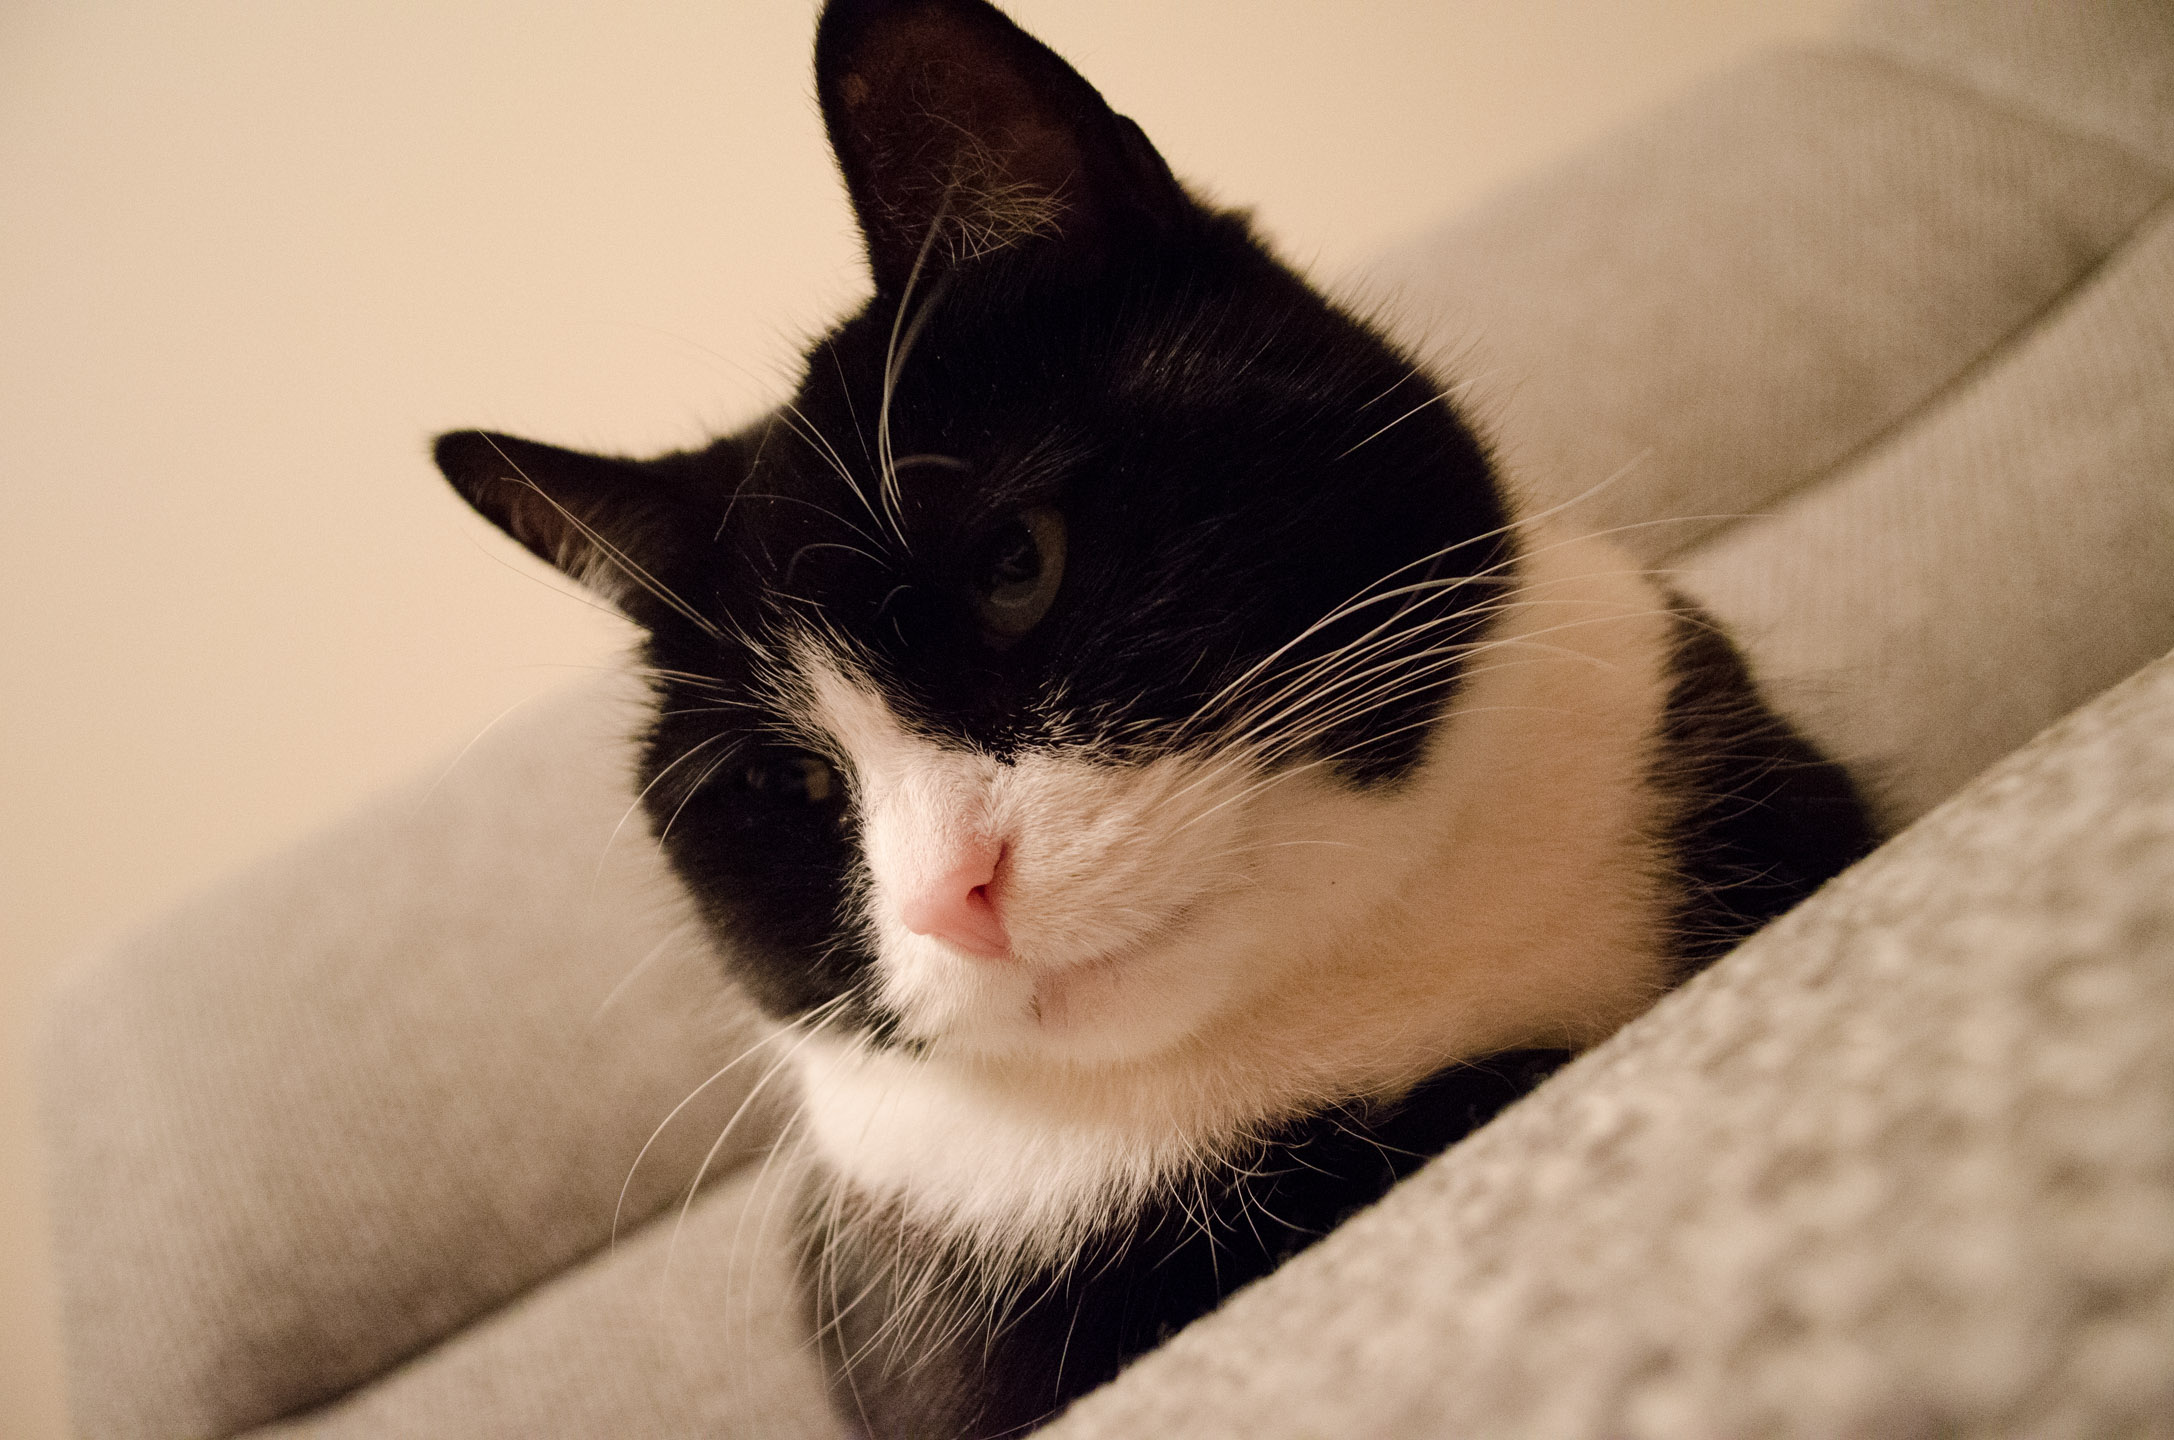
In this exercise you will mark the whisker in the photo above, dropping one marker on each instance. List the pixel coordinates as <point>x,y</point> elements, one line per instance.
<point>1430,400</point>
<point>671,937</point>
<point>800,425</point>
<point>727,1068</point>
<point>655,780</point>
<point>753,1094</point>
<point>473,741</point>
<point>894,360</point>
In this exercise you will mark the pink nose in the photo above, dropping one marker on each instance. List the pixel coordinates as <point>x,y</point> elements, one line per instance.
<point>954,906</point>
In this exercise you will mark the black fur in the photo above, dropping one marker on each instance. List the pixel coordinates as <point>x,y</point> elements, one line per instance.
<point>1235,458</point>
<point>1763,818</point>
<point>1057,325</point>
<point>1058,1334</point>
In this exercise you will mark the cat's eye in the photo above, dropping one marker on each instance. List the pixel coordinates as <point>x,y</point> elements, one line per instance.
<point>793,779</point>
<point>1016,571</point>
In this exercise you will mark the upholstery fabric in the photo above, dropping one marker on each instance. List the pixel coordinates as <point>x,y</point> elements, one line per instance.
<point>684,1330</point>
<point>2096,67</point>
<point>1869,343</point>
<point>1733,299</point>
<point>379,1088</point>
<point>2008,556</point>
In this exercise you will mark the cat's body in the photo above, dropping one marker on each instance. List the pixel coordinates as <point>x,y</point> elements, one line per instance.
<point>1116,716</point>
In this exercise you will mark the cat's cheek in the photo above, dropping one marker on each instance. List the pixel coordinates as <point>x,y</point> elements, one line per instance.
<point>1129,1010</point>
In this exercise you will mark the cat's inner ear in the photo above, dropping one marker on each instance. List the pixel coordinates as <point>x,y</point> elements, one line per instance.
<point>615,526</point>
<point>960,135</point>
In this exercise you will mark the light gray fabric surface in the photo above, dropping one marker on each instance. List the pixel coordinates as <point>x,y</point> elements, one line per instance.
<point>682,1331</point>
<point>1903,1165</point>
<point>2098,67</point>
<point>1999,562</point>
<point>1736,296</point>
<point>353,1101</point>
<point>380,1096</point>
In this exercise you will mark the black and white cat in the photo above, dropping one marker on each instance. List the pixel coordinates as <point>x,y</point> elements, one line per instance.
<point>1117,718</point>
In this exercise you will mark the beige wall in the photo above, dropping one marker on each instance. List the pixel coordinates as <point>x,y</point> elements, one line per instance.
<point>253,253</point>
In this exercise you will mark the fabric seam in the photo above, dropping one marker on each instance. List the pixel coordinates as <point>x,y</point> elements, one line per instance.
<point>2012,105</point>
<point>2022,333</point>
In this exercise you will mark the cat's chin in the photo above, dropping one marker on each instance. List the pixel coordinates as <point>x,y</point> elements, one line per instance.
<point>1126,1003</point>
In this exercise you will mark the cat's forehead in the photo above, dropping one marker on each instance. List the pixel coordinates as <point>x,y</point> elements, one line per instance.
<point>1004,346</point>
<point>1230,458</point>
<point>999,394</point>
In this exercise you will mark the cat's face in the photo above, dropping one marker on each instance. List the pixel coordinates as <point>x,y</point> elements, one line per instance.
<point>1055,665</point>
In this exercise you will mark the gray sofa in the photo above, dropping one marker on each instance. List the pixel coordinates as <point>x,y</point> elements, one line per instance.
<point>1872,345</point>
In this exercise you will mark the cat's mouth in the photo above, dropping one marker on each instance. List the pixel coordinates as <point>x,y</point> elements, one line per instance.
<point>1056,982</point>
<point>1129,998</point>
<point>1071,988</point>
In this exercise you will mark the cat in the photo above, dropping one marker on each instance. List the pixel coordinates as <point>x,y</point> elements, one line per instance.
<point>1118,721</point>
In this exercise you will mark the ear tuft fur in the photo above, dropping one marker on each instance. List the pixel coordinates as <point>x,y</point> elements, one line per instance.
<point>960,135</point>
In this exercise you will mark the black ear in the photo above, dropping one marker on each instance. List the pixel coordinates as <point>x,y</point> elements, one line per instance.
<point>960,134</point>
<point>616,526</point>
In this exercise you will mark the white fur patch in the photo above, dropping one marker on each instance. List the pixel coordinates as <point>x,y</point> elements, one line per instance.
<point>1202,950</point>
<point>1104,866</point>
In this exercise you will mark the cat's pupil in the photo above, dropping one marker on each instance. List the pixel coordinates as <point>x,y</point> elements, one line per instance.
<point>1016,561</point>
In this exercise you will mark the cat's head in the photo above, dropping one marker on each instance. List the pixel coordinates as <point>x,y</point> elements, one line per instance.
<point>1054,666</point>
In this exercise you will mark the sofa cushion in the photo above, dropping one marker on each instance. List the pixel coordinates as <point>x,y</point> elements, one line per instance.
<point>2096,67</point>
<point>1734,298</point>
<point>1998,562</point>
<point>351,1102</point>
<point>683,1330</point>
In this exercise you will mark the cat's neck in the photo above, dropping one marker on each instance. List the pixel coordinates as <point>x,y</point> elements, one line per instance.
<point>1510,894</point>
